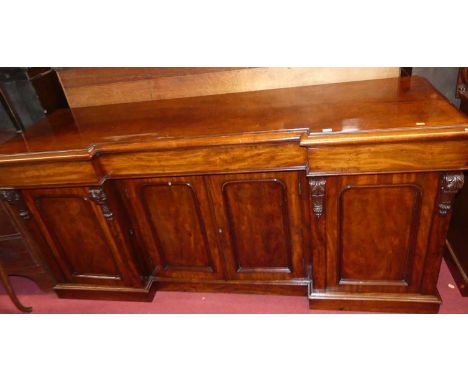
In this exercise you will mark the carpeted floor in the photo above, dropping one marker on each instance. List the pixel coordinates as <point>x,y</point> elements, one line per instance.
<point>184,302</point>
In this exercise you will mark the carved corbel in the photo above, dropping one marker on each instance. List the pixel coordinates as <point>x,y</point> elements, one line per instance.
<point>13,197</point>
<point>98,195</point>
<point>317,194</point>
<point>450,184</point>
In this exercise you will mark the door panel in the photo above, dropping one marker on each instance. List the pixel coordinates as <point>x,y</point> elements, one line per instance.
<point>377,229</point>
<point>84,236</point>
<point>92,256</point>
<point>254,246</point>
<point>175,226</point>
<point>259,217</point>
<point>366,254</point>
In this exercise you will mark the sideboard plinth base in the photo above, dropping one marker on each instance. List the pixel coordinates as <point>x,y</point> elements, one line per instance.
<point>374,302</point>
<point>92,292</point>
<point>291,288</point>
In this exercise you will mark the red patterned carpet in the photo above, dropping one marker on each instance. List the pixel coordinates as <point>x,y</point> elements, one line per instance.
<point>184,302</point>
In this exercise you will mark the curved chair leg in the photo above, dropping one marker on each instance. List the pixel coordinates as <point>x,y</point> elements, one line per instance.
<point>11,293</point>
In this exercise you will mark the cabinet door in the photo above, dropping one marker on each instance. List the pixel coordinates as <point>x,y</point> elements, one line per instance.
<point>376,231</point>
<point>174,226</point>
<point>259,220</point>
<point>82,228</point>
<point>18,255</point>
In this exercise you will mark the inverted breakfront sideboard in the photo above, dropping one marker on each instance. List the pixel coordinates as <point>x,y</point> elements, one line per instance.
<point>341,193</point>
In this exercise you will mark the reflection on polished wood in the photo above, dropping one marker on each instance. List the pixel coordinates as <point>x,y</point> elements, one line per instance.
<point>331,191</point>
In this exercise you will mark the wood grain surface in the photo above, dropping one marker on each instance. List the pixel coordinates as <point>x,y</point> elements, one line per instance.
<point>102,86</point>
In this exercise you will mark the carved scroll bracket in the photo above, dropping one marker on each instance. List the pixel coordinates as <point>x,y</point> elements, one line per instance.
<point>98,195</point>
<point>13,197</point>
<point>450,184</point>
<point>317,194</point>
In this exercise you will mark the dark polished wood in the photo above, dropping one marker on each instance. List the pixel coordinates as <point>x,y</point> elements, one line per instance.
<point>402,107</point>
<point>341,192</point>
<point>299,288</point>
<point>174,226</point>
<point>88,244</point>
<point>377,230</point>
<point>259,224</point>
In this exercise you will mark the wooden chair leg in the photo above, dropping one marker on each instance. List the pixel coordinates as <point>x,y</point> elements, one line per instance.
<point>11,293</point>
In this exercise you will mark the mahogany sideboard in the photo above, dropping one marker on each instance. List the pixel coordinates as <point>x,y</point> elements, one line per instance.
<point>342,193</point>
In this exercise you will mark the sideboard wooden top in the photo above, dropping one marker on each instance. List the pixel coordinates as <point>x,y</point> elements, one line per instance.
<point>322,114</point>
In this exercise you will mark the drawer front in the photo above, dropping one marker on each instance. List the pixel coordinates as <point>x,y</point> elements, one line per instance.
<point>389,157</point>
<point>205,160</point>
<point>66,173</point>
